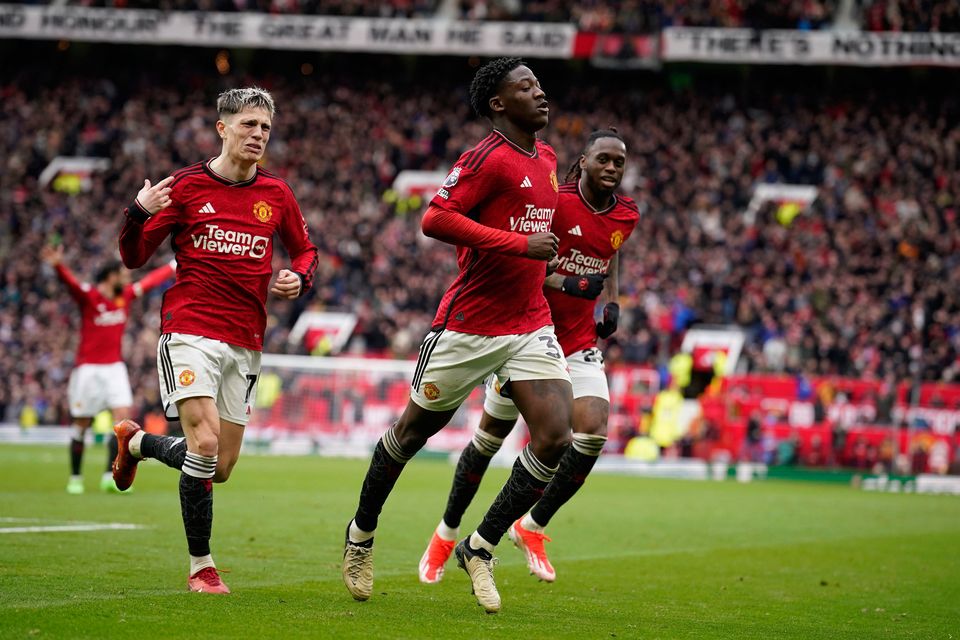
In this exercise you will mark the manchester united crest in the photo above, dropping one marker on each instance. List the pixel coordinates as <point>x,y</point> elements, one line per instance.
<point>187,377</point>
<point>263,211</point>
<point>553,181</point>
<point>431,391</point>
<point>616,239</point>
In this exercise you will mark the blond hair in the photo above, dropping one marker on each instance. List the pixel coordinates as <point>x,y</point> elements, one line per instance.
<point>236,100</point>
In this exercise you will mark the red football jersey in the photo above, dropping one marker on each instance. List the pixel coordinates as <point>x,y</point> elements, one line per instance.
<point>103,319</point>
<point>502,186</point>
<point>588,240</point>
<point>222,233</point>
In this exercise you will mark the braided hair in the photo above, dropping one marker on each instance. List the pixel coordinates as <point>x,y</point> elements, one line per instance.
<point>487,81</point>
<point>573,174</point>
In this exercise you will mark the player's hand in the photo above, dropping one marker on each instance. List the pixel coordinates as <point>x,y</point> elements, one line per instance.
<point>611,316</point>
<point>542,246</point>
<point>553,265</point>
<point>588,286</point>
<point>287,285</point>
<point>52,255</point>
<point>155,198</point>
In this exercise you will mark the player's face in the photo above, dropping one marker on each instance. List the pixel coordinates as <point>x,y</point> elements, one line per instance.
<point>603,163</point>
<point>523,101</point>
<point>245,134</point>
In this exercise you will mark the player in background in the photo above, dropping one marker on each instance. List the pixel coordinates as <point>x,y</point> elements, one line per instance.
<point>592,222</point>
<point>496,206</point>
<point>99,380</point>
<point>222,215</point>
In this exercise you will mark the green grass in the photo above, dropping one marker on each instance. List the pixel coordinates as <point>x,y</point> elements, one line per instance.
<point>636,558</point>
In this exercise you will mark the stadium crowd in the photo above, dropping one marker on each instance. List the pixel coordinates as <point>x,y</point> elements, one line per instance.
<point>858,285</point>
<point>604,16</point>
<point>911,15</point>
<point>650,16</point>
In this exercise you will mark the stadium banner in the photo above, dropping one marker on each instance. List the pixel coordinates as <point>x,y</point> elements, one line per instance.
<point>316,33</point>
<point>681,44</point>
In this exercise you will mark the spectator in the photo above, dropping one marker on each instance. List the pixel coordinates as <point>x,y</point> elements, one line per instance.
<point>859,285</point>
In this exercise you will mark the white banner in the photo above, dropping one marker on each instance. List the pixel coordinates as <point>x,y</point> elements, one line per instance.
<point>810,47</point>
<point>316,33</point>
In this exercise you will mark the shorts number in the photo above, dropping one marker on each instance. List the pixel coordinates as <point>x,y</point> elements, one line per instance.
<point>251,380</point>
<point>592,355</point>
<point>552,349</point>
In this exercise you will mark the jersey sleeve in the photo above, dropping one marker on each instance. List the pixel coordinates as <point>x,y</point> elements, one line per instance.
<point>295,237</point>
<point>78,290</point>
<point>450,216</point>
<point>462,231</point>
<point>154,279</point>
<point>142,233</point>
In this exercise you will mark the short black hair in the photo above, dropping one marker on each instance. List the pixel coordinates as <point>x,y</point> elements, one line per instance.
<point>487,81</point>
<point>574,172</point>
<point>107,269</point>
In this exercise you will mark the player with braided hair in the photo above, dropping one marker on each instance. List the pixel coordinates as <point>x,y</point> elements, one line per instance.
<point>496,205</point>
<point>592,222</point>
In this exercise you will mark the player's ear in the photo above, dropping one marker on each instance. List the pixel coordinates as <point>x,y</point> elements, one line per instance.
<point>221,129</point>
<point>583,162</point>
<point>496,104</point>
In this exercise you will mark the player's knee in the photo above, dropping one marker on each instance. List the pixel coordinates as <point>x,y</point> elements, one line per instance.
<point>207,444</point>
<point>590,416</point>
<point>559,442</point>
<point>410,440</point>
<point>412,433</point>
<point>550,445</point>
<point>596,427</point>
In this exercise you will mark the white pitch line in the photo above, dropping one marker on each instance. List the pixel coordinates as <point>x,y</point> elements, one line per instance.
<point>108,526</point>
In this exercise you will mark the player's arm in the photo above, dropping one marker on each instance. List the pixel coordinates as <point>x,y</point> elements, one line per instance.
<point>154,279</point>
<point>611,294</point>
<point>148,222</point>
<point>611,286</point>
<point>53,256</point>
<point>587,286</point>
<point>446,218</point>
<point>455,228</point>
<point>304,255</point>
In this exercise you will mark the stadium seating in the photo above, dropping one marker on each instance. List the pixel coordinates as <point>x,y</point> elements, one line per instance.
<point>607,16</point>
<point>857,286</point>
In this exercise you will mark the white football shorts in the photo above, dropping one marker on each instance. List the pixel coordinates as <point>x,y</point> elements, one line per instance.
<point>97,387</point>
<point>194,366</point>
<point>452,364</point>
<point>586,376</point>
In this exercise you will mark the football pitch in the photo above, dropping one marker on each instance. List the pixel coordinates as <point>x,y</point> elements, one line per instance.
<point>635,558</point>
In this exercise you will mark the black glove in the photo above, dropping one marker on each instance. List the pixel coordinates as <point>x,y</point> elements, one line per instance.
<point>611,315</point>
<point>588,286</point>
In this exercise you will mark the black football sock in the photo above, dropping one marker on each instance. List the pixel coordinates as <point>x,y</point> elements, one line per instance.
<point>76,451</point>
<point>472,465</point>
<point>112,450</point>
<point>168,450</point>
<point>387,464</point>
<point>196,501</point>
<point>523,488</point>
<point>575,466</point>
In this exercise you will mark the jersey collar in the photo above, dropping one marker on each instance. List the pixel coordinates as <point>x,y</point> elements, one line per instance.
<point>591,207</point>
<point>536,151</point>
<point>227,181</point>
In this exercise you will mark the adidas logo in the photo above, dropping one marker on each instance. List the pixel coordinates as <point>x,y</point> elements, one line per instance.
<point>575,231</point>
<point>526,184</point>
<point>207,208</point>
